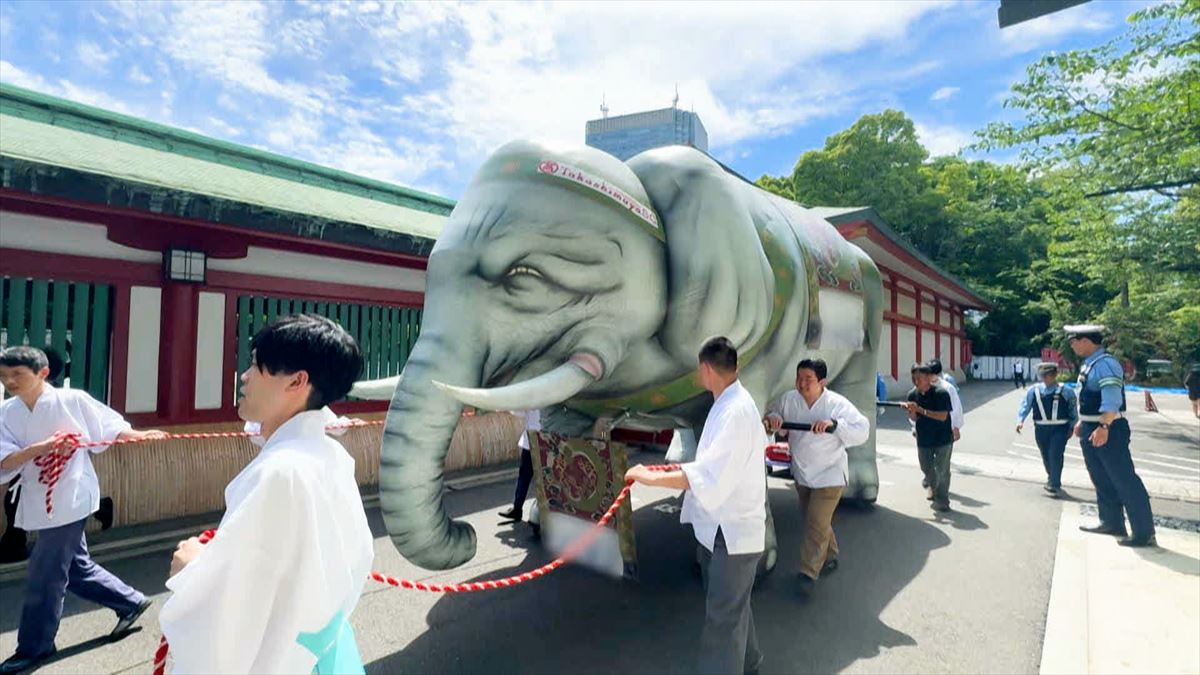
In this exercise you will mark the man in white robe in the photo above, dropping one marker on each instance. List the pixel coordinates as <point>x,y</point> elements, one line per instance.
<point>819,460</point>
<point>273,591</point>
<point>57,499</point>
<point>725,501</point>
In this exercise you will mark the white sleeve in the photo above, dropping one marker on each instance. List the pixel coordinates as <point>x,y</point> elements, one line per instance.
<point>853,428</point>
<point>714,475</point>
<point>8,445</point>
<point>956,410</point>
<point>227,604</point>
<point>103,423</point>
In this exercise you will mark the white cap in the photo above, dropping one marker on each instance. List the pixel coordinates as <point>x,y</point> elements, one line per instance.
<point>1084,329</point>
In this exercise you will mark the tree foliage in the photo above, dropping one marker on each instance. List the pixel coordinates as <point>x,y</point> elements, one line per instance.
<point>1125,115</point>
<point>1101,223</point>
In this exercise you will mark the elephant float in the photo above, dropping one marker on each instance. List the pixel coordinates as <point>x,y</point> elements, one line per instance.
<point>568,281</point>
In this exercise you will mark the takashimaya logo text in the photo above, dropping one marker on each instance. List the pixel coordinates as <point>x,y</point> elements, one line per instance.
<point>575,175</point>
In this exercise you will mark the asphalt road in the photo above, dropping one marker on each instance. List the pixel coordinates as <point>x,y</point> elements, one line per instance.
<point>1165,444</point>
<point>916,591</point>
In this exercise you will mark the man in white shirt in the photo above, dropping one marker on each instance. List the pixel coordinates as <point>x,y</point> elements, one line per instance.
<point>956,408</point>
<point>33,428</point>
<point>273,591</point>
<point>819,460</point>
<point>725,502</point>
<point>533,422</point>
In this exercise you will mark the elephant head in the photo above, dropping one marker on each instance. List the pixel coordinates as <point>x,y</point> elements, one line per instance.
<point>547,278</point>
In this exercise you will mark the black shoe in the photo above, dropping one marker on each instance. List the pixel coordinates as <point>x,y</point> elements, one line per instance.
<point>941,508</point>
<point>1049,488</point>
<point>126,622</point>
<point>105,514</point>
<point>805,586</point>
<point>19,664</point>
<point>1054,493</point>
<point>1140,542</point>
<point>829,566</point>
<point>1102,529</point>
<point>511,513</point>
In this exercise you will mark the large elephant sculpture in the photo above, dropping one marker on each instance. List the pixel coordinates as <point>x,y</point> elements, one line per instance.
<point>568,281</point>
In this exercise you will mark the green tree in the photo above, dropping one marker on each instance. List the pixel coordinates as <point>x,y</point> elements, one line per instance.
<point>876,162</point>
<point>1125,114</point>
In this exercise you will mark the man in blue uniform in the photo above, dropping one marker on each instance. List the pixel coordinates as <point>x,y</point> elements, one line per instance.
<point>1054,415</point>
<point>1104,434</point>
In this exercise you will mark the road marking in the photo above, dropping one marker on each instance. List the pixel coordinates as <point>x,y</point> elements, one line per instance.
<point>1173,457</point>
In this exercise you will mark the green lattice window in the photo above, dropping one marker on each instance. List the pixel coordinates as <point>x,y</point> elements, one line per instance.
<point>386,334</point>
<point>75,319</point>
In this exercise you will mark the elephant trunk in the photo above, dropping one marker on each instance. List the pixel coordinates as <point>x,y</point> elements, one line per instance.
<point>416,438</point>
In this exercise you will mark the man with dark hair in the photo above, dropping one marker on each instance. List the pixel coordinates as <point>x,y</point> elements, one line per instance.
<point>1104,436</point>
<point>1053,407</point>
<point>40,421</point>
<point>943,380</point>
<point>928,406</point>
<point>819,460</point>
<point>725,501</point>
<point>273,590</point>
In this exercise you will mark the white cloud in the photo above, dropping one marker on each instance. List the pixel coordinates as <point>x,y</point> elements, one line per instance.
<point>942,140</point>
<point>750,71</point>
<point>222,127</point>
<point>944,93</point>
<point>93,55</point>
<point>418,93</point>
<point>11,74</point>
<point>1049,29</point>
<point>138,76</point>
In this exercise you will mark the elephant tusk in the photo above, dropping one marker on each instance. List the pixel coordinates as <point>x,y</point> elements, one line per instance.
<point>545,390</point>
<point>376,390</point>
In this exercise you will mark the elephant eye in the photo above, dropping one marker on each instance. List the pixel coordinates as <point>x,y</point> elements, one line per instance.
<point>523,269</point>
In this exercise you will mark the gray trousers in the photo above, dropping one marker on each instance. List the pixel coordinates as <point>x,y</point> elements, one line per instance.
<point>935,464</point>
<point>60,563</point>
<point>728,643</point>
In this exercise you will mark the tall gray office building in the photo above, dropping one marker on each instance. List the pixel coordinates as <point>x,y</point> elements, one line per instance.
<point>624,136</point>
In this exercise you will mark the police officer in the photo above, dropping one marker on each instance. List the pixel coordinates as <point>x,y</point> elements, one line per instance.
<point>1054,415</point>
<point>1104,434</point>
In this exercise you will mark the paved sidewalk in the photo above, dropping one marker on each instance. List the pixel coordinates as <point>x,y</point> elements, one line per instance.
<point>1121,610</point>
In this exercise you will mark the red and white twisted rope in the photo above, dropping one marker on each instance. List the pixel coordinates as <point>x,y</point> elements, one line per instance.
<point>53,464</point>
<point>578,546</point>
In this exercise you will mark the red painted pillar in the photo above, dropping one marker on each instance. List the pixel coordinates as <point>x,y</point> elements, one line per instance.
<point>895,336</point>
<point>177,352</point>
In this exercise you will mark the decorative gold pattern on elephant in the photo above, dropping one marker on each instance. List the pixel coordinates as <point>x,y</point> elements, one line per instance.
<point>577,475</point>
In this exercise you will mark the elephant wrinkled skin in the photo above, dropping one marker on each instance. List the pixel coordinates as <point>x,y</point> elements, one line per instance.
<point>569,281</point>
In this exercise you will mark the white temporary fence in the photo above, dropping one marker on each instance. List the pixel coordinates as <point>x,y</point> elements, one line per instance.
<point>1001,367</point>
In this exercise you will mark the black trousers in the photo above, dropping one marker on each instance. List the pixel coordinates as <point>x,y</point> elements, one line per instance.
<point>524,478</point>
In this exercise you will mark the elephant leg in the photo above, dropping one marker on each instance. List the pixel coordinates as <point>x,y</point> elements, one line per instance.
<point>857,383</point>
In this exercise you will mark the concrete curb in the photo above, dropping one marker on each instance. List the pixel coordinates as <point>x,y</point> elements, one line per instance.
<point>1121,610</point>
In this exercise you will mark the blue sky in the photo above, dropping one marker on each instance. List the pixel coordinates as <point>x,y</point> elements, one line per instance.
<point>419,93</point>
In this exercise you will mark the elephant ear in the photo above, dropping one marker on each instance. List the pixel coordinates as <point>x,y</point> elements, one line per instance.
<point>719,278</point>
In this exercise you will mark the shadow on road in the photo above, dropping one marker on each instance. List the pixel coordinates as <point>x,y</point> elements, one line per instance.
<point>580,622</point>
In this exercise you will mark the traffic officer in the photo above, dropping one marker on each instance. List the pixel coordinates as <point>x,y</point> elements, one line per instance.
<point>1054,415</point>
<point>1104,434</point>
